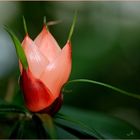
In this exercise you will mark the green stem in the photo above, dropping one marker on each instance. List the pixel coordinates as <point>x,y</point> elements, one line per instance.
<point>105,85</point>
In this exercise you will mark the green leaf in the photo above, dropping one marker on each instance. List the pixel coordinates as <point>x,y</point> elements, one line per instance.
<point>75,130</point>
<point>8,108</point>
<point>19,49</point>
<point>31,131</point>
<point>26,128</point>
<point>42,134</point>
<point>107,126</point>
<point>104,85</point>
<point>63,134</point>
<point>17,131</point>
<point>75,127</point>
<point>48,125</point>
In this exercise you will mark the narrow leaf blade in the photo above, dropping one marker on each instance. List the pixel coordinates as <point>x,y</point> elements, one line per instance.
<point>107,126</point>
<point>8,108</point>
<point>75,127</point>
<point>19,49</point>
<point>17,131</point>
<point>48,124</point>
<point>64,134</point>
<point>42,134</point>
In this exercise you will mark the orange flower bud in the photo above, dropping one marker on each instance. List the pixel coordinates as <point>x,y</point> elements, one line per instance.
<point>49,68</point>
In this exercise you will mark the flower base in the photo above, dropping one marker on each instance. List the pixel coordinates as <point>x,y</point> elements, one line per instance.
<point>55,107</point>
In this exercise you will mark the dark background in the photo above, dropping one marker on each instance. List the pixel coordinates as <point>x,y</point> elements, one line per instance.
<point>105,48</point>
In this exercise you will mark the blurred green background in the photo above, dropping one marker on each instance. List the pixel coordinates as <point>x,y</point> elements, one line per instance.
<point>105,48</point>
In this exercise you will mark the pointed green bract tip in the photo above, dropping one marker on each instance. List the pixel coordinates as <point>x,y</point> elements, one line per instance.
<point>25,26</point>
<point>72,26</point>
<point>44,20</point>
<point>19,50</point>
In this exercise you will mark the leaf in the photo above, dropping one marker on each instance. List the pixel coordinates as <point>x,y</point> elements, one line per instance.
<point>104,85</point>
<point>8,108</point>
<point>17,131</point>
<point>75,127</point>
<point>26,128</point>
<point>30,130</point>
<point>19,49</point>
<point>74,130</point>
<point>48,125</point>
<point>42,134</point>
<point>107,126</point>
<point>63,134</point>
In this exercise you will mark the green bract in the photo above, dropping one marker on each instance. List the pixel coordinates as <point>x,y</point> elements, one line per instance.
<point>19,49</point>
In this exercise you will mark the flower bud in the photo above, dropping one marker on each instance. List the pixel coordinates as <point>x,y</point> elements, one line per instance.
<point>48,70</point>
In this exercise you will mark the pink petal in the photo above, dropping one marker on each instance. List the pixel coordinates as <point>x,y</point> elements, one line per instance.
<point>57,72</point>
<point>37,96</point>
<point>47,44</point>
<point>36,60</point>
